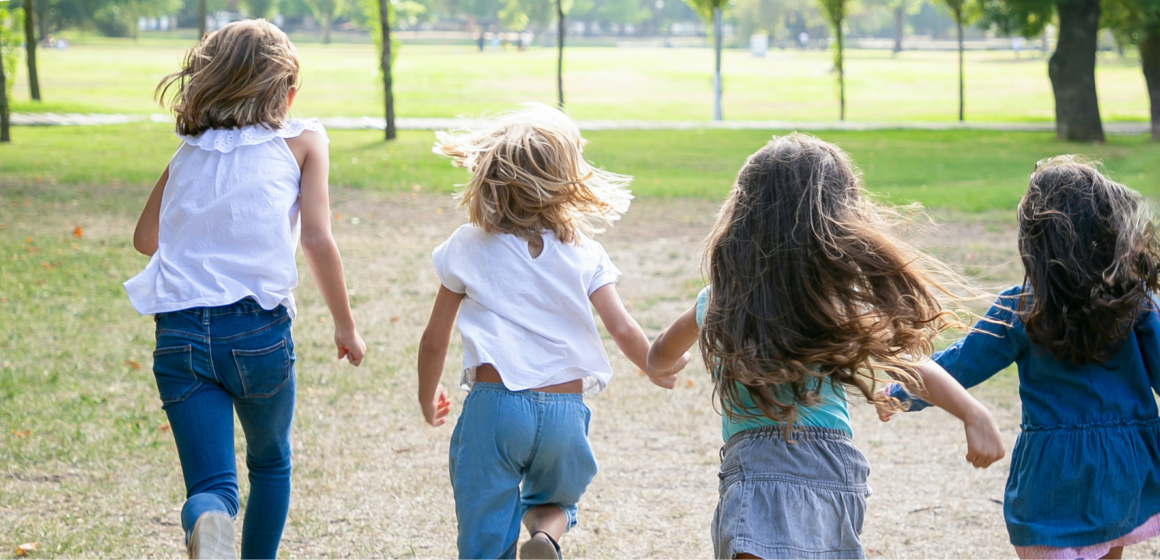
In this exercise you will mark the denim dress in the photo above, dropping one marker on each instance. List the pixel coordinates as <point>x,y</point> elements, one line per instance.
<point>1086,467</point>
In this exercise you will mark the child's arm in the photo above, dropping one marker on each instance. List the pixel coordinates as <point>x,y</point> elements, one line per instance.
<point>673,343</point>
<point>145,236</point>
<point>629,337</point>
<point>433,352</point>
<point>318,244</point>
<point>984,444</point>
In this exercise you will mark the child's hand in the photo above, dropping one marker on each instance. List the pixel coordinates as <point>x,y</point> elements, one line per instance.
<point>435,411</point>
<point>984,444</point>
<point>350,345</point>
<point>885,411</point>
<point>668,379</point>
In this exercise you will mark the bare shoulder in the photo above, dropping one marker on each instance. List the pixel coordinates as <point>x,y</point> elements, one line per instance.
<point>307,145</point>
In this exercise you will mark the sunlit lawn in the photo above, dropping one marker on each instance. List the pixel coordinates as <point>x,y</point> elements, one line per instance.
<point>107,75</point>
<point>955,170</point>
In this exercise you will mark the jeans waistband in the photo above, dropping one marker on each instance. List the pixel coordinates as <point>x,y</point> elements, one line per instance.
<point>528,393</point>
<point>797,433</point>
<point>248,305</point>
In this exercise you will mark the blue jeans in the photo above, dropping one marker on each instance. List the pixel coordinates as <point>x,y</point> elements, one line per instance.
<point>209,362</point>
<point>512,451</point>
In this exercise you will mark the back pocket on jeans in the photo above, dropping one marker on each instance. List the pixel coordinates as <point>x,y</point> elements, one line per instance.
<point>263,371</point>
<point>173,369</point>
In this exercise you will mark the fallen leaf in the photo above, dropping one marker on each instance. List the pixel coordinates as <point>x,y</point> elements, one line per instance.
<point>395,319</point>
<point>164,427</point>
<point>404,450</point>
<point>640,371</point>
<point>322,319</point>
<point>337,216</point>
<point>689,383</point>
<point>133,363</point>
<point>28,240</point>
<point>438,210</point>
<point>45,265</point>
<point>22,433</point>
<point>78,232</point>
<point>25,548</point>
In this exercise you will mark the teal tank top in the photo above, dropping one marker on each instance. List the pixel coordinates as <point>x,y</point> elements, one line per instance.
<point>830,412</point>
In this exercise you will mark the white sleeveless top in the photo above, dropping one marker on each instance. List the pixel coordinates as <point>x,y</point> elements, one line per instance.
<point>528,317</point>
<point>228,223</point>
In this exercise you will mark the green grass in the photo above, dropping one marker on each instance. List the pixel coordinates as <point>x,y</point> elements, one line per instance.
<point>955,170</point>
<point>118,75</point>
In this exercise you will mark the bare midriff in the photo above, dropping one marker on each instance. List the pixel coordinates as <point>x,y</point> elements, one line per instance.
<point>486,373</point>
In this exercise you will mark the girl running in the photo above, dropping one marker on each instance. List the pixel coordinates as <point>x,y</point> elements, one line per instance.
<point>522,277</point>
<point>221,227</point>
<point>809,295</point>
<point>1084,330</point>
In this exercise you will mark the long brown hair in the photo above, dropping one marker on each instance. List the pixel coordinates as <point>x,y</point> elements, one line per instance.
<point>528,175</point>
<point>238,76</point>
<point>809,285</point>
<point>1090,258</point>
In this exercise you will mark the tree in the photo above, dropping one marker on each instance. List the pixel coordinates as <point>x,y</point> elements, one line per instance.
<point>835,12</point>
<point>1072,68</point>
<point>958,12</point>
<point>325,11</point>
<point>201,15</point>
<point>1137,22</point>
<point>560,29</point>
<point>379,18</point>
<point>710,10</point>
<point>259,8</point>
<point>7,68</point>
<point>30,47</point>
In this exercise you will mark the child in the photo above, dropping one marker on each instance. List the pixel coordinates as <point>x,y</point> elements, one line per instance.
<point>221,227</point>
<point>1084,330</point>
<point>523,277</point>
<point>809,294</point>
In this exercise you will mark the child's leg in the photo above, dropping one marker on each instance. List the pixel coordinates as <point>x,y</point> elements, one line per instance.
<point>200,415</point>
<point>562,467</point>
<point>1115,553</point>
<point>256,365</point>
<point>267,426</point>
<point>492,441</point>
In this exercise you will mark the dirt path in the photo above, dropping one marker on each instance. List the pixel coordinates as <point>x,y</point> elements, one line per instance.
<point>370,479</point>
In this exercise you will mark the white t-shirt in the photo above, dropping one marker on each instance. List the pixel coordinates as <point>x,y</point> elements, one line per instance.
<point>229,223</point>
<point>528,317</point>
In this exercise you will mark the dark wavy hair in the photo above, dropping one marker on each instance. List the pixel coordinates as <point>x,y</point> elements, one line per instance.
<point>809,285</point>
<point>1090,258</point>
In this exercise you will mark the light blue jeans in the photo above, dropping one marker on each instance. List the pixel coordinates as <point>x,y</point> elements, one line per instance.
<point>512,451</point>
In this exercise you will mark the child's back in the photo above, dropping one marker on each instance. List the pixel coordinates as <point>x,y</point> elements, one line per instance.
<point>1084,332</point>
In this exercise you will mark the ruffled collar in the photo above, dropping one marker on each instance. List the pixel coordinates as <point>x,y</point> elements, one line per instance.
<point>225,140</point>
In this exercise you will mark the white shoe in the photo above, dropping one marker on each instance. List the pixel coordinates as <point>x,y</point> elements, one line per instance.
<point>212,537</point>
<point>540,546</point>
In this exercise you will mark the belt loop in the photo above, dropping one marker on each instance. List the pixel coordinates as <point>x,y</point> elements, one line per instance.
<point>205,315</point>
<point>721,453</point>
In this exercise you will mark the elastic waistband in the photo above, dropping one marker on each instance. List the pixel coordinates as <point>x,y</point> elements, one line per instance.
<point>527,393</point>
<point>797,433</point>
<point>1109,424</point>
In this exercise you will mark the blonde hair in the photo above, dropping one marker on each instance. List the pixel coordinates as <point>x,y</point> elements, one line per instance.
<point>238,76</point>
<point>529,175</point>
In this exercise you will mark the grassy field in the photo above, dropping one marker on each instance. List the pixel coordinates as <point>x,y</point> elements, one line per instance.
<point>107,75</point>
<point>954,170</point>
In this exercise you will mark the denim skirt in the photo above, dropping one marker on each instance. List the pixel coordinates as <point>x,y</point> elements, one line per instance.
<point>800,499</point>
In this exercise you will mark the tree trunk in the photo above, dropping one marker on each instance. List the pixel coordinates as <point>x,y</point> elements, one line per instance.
<point>385,61</point>
<point>560,28</point>
<point>201,15</point>
<point>717,65</point>
<point>898,13</point>
<point>30,46</point>
<point>327,23</point>
<point>1150,60</point>
<point>839,64</point>
<point>962,93</point>
<point>1072,70</point>
<point>42,20</point>
<point>3,102</point>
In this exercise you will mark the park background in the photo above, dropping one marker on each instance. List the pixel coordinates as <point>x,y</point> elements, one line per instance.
<point>87,465</point>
